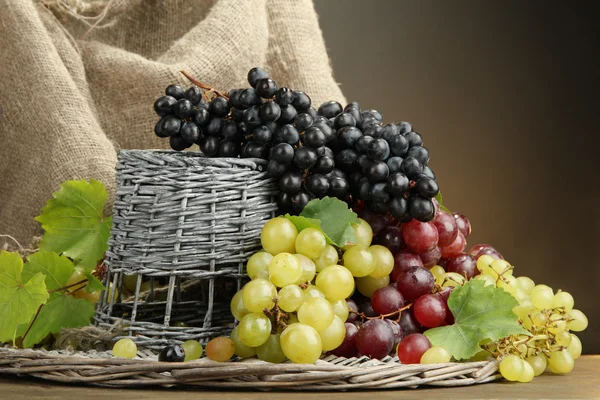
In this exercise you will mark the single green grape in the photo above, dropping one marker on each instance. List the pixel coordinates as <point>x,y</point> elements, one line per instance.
<point>575,347</point>
<point>238,310</point>
<point>579,322</point>
<point>384,261</point>
<point>437,271</point>
<point>488,280</point>
<point>279,236</point>
<point>511,367</point>
<point>501,267</point>
<point>241,349</point>
<point>193,350</point>
<point>558,324</point>
<point>301,343</point>
<point>484,263</point>
<point>525,284</point>
<point>291,298</point>
<point>125,348</point>
<point>527,374</point>
<point>258,265</point>
<point>563,338</point>
<point>340,308</point>
<point>313,291</point>
<point>270,350</point>
<point>310,242</point>
<point>292,318</point>
<point>335,282</point>
<point>538,363</point>
<point>509,284</point>
<point>359,261</point>
<point>452,279</point>
<point>316,312</point>
<point>561,362</point>
<point>329,256</point>
<point>254,329</point>
<point>564,299</point>
<point>309,268</point>
<point>285,269</point>
<point>368,285</point>
<point>539,319</point>
<point>363,233</point>
<point>521,296</point>
<point>130,282</point>
<point>258,294</point>
<point>542,297</point>
<point>333,335</point>
<point>435,355</point>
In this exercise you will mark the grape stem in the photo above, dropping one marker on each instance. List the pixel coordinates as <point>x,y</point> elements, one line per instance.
<point>202,85</point>
<point>68,287</point>
<point>382,316</point>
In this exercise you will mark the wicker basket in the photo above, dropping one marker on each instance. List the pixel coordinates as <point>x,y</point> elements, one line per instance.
<point>328,374</point>
<point>185,225</point>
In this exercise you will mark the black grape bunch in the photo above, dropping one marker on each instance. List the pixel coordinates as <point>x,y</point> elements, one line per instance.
<point>335,151</point>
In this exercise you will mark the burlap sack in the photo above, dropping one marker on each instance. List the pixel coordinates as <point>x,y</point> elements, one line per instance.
<point>78,79</point>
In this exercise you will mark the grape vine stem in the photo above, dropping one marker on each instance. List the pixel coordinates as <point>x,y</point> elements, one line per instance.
<point>202,85</point>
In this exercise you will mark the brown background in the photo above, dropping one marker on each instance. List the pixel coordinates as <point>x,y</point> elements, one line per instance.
<point>502,93</point>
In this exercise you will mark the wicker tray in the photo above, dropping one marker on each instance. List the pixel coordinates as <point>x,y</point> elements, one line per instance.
<point>328,374</point>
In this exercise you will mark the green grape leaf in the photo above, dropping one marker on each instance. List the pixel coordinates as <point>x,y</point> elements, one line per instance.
<point>93,284</point>
<point>480,312</point>
<point>63,312</point>
<point>19,300</point>
<point>75,224</point>
<point>336,219</point>
<point>439,199</point>
<point>302,223</point>
<point>57,269</point>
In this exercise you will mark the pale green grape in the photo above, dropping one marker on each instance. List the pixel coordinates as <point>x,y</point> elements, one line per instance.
<point>292,318</point>
<point>525,284</point>
<point>487,279</point>
<point>279,236</point>
<point>270,350</point>
<point>285,269</point>
<point>561,362</point>
<point>241,349</point>
<point>452,279</point>
<point>528,373</point>
<point>254,329</point>
<point>359,261</point>
<point>335,282</point>
<point>539,319</point>
<point>290,298</point>
<point>308,268</point>
<point>130,282</point>
<point>521,296</point>
<point>363,234</point>
<point>558,324</point>
<point>193,350</point>
<point>312,291</point>
<point>511,367</point>
<point>564,299</point>
<point>258,265</point>
<point>301,343</point>
<point>258,294</point>
<point>575,347</point>
<point>435,355</point>
<point>437,271</point>
<point>563,338</point>
<point>310,242</point>
<point>125,348</point>
<point>333,335</point>
<point>539,364</point>
<point>523,312</point>
<point>542,296</point>
<point>316,312</point>
<point>329,256</point>
<point>384,261</point>
<point>340,308</point>
<point>484,262</point>
<point>368,285</point>
<point>579,322</point>
<point>509,284</point>
<point>238,310</point>
<point>501,267</point>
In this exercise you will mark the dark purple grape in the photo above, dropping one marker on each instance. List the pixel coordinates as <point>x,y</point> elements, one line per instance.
<point>378,149</point>
<point>287,134</point>
<point>375,339</point>
<point>414,139</point>
<point>366,308</point>
<point>229,130</point>
<point>428,172</point>
<point>163,105</point>
<point>290,182</point>
<point>399,145</point>
<point>256,74</point>
<point>403,260</point>
<point>282,153</point>
<point>175,91</point>
<point>299,201</point>
<point>431,257</point>
<point>375,131</point>
<point>394,164</point>
<point>464,226</point>
<point>194,94</point>
<point>353,310</point>
<point>376,221</point>
<point>412,168</point>
<point>219,107</point>
<point>183,108</point>
<point>427,187</point>
<point>170,125</point>
<point>266,88</point>
<point>376,171</point>
<point>284,96</point>
<point>178,143</point>
<point>338,187</point>
<point>234,98</point>
<point>398,333</point>
<point>347,136</point>
<point>228,148</point>
<point>404,127</point>
<point>414,282</point>
<point>317,184</point>
<point>387,300</point>
<point>201,117</point>
<point>190,132</point>
<point>362,144</point>
<point>408,323</point>
<point>303,122</point>
<point>421,208</point>
<point>463,264</point>
<point>346,160</point>
<point>446,227</point>
<point>420,153</point>
<point>398,184</point>
<point>249,98</point>
<point>391,237</point>
<point>373,114</point>
<point>270,111</point>
<point>313,137</point>
<point>275,169</point>
<point>305,157</point>
<point>324,165</point>
<point>209,146</point>
<point>158,129</point>
<point>214,127</point>
<point>330,109</point>
<point>379,193</point>
<point>173,353</point>
<point>301,101</point>
<point>398,207</point>
<point>343,120</point>
<point>253,119</point>
<point>348,347</point>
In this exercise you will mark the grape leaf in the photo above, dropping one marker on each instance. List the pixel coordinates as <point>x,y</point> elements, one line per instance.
<point>302,223</point>
<point>63,312</point>
<point>93,284</point>
<point>19,300</point>
<point>336,219</point>
<point>439,199</point>
<point>57,269</point>
<point>480,312</point>
<point>74,222</point>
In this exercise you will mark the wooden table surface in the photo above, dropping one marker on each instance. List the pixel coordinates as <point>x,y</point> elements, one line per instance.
<point>582,383</point>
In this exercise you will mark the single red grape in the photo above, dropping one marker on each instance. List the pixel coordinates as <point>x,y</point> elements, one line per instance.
<point>352,316</point>
<point>463,224</point>
<point>391,237</point>
<point>419,236</point>
<point>348,347</point>
<point>463,264</point>
<point>445,294</point>
<point>446,227</point>
<point>398,334</point>
<point>403,260</point>
<point>408,323</point>
<point>387,300</point>
<point>480,249</point>
<point>412,347</point>
<point>431,257</point>
<point>413,282</point>
<point>375,339</point>
<point>430,310</point>
<point>456,248</point>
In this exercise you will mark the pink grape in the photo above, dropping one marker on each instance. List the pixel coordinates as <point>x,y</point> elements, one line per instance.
<point>446,227</point>
<point>463,224</point>
<point>391,237</point>
<point>398,334</point>
<point>413,282</point>
<point>412,347</point>
<point>408,323</point>
<point>375,339</point>
<point>419,236</point>
<point>402,260</point>
<point>352,316</point>
<point>432,257</point>
<point>463,264</point>
<point>387,300</point>
<point>375,220</point>
<point>430,310</point>
<point>348,347</point>
<point>480,249</point>
<point>456,248</point>
<point>366,308</point>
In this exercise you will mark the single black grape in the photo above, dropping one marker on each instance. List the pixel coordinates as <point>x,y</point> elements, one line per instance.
<point>190,132</point>
<point>219,107</point>
<point>367,122</point>
<point>399,145</point>
<point>404,127</point>
<point>379,193</point>
<point>330,109</point>
<point>398,207</point>
<point>338,187</point>
<point>234,98</point>
<point>254,150</point>
<point>317,184</point>
<point>201,117</point>
<point>303,122</point>
<point>266,88</point>
<point>414,139</point>
<point>270,111</point>
<point>313,137</point>
<point>412,168</point>
<point>163,105</point>
<point>312,112</point>
<point>284,202</point>
<point>158,129</point>
<point>337,173</point>
<point>290,182</point>
<point>183,108</point>
<point>299,201</point>
<point>364,189</point>
<point>301,101</point>
<point>378,149</point>
<point>347,136</point>
<point>389,131</point>
<point>214,127</point>
<point>362,143</point>
<point>170,125</point>
<point>305,157</point>
<point>326,129</point>
<point>230,130</point>
<point>249,98</point>
<point>256,74</point>
<point>373,114</point>
<point>347,160</point>
<point>398,184</point>
<point>355,113</point>
<point>363,160</point>
<point>177,143</point>
<point>275,169</point>
<point>352,104</point>
<point>354,179</point>
<point>252,117</point>
<point>209,146</point>
<point>373,130</point>
<point>421,208</point>
<point>284,96</point>
<point>288,114</point>
<point>376,171</point>
<point>173,353</point>
<point>428,172</point>
<point>261,135</point>
<point>282,153</point>
<point>344,119</point>
<point>394,164</point>
<point>175,91</point>
<point>420,153</point>
<point>194,94</point>
<point>228,148</point>
<point>324,151</point>
<point>287,134</point>
<point>427,187</point>
<point>324,165</point>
